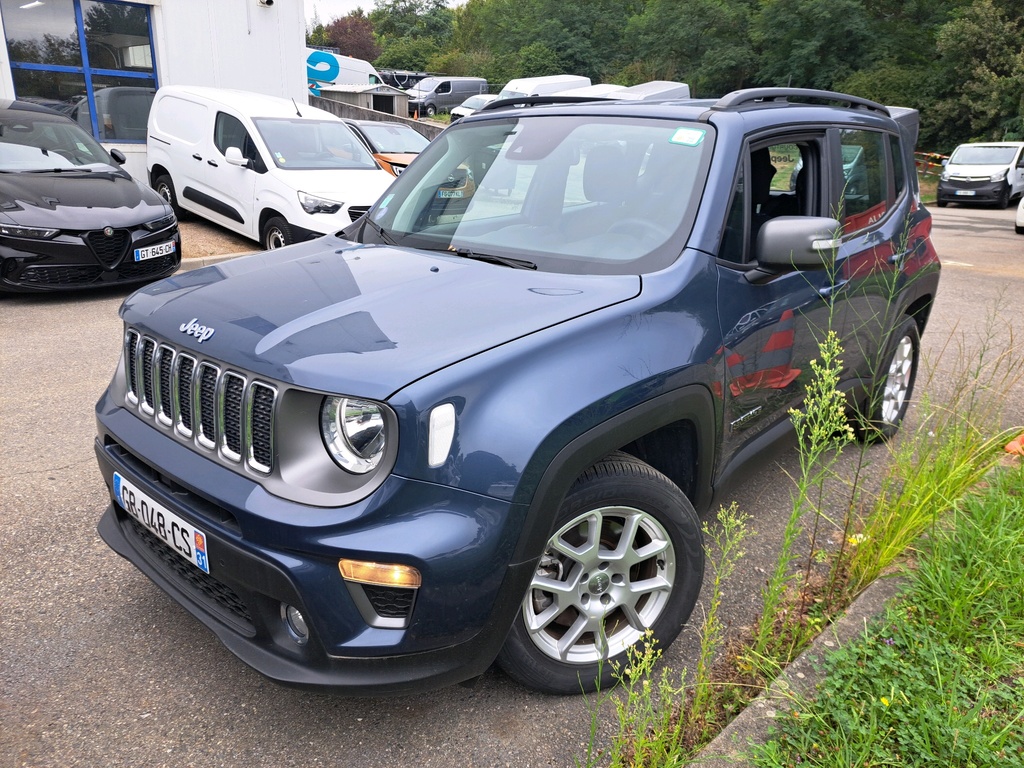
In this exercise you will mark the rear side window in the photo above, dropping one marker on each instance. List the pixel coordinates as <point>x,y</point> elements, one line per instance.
<point>898,170</point>
<point>865,193</point>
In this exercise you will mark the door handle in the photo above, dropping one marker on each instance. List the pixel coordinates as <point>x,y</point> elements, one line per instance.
<point>211,162</point>
<point>196,157</point>
<point>828,291</point>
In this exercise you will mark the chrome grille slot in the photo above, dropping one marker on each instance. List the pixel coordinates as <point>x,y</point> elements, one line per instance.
<point>232,398</point>
<point>259,427</point>
<point>131,344</point>
<point>147,352</point>
<point>206,429</point>
<point>164,371</point>
<point>219,410</point>
<point>184,374</point>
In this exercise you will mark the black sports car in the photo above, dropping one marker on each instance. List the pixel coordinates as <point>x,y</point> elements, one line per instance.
<point>70,216</point>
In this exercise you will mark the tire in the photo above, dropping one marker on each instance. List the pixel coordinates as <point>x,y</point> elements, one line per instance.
<point>1004,199</point>
<point>942,203</point>
<point>276,234</point>
<point>1018,229</point>
<point>164,187</point>
<point>892,394</point>
<point>583,588</point>
<point>431,110</point>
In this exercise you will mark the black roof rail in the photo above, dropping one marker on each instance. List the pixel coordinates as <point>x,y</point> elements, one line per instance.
<point>752,95</point>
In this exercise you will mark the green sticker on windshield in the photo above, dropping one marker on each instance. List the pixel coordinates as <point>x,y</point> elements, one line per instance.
<point>689,137</point>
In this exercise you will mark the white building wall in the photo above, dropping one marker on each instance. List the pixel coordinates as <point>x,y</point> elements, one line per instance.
<point>219,43</point>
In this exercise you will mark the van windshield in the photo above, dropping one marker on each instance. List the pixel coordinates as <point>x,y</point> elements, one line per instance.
<point>304,144</point>
<point>982,154</point>
<point>581,195</point>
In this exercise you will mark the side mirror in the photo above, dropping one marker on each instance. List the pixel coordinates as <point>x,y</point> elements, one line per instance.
<point>234,156</point>
<point>805,242</point>
<point>119,156</point>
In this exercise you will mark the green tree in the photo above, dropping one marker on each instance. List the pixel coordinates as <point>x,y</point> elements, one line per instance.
<point>706,45</point>
<point>983,75</point>
<point>810,44</point>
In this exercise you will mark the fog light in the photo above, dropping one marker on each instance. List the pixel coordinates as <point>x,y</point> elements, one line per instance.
<point>381,574</point>
<point>295,622</point>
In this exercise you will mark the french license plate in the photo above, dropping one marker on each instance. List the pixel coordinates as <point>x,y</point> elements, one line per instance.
<point>443,193</point>
<point>155,251</point>
<point>182,537</point>
<point>965,192</point>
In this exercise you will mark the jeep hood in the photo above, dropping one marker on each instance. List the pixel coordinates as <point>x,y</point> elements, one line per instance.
<point>361,320</point>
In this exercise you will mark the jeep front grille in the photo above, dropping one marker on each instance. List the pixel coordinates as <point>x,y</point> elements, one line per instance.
<point>225,411</point>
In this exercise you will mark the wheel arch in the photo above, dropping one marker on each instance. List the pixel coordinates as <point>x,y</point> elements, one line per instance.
<point>674,433</point>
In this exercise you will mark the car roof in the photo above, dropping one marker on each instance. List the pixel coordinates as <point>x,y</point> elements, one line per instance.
<point>249,102</point>
<point>758,107</point>
<point>10,105</point>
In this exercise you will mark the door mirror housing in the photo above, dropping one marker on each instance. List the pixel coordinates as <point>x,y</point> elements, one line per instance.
<point>804,242</point>
<point>234,156</point>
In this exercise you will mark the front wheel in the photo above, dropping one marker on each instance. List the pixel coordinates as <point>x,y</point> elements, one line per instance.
<point>431,110</point>
<point>626,557</point>
<point>892,394</point>
<point>276,234</point>
<point>1004,199</point>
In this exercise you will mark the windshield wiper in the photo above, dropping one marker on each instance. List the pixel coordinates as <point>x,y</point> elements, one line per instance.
<point>384,235</point>
<point>491,258</point>
<point>57,170</point>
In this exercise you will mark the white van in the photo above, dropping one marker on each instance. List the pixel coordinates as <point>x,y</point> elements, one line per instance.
<point>542,86</point>
<point>440,94</point>
<point>324,69</point>
<point>989,172</point>
<point>267,168</point>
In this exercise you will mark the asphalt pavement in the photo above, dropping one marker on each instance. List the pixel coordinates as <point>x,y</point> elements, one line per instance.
<point>99,668</point>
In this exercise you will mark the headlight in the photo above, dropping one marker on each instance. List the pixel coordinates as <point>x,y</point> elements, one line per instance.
<point>158,224</point>
<point>354,433</point>
<point>998,176</point>
<point>313,204</point>
<point>35,233</point>
<point>944,176</point>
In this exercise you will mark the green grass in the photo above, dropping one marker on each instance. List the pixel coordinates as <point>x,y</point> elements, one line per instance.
<point>940,679</point>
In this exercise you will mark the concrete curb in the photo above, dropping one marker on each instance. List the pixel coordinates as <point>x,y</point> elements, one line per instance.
<point>751,726</point>
<point>208,261</point>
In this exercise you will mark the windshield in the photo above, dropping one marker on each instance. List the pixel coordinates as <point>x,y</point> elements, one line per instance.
<point>38,142</point>
<point>426,85</point>
<point>301,144</point>
<point>570,194</point>
<point>393,137</point>
<point>981,154</point>
<point>476,102</point>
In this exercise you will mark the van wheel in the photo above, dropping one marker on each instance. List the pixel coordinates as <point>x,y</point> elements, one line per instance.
<point>431,110</point>
<point>942,203</point>
<point>276,234</point>
<point>1004,198</point>
<point>626,556</point>
<point>165,188</point>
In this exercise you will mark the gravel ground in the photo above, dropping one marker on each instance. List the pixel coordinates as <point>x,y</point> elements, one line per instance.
<point>200,239</point>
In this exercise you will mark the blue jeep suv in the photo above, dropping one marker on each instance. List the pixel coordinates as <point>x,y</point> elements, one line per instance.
<point>478,424</point>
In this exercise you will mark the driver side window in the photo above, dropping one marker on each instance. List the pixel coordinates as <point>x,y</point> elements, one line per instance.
<point>779,178</point>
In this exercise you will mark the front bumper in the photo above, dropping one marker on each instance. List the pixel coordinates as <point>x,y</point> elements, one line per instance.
<point>67,263</point>
<point>966,191</point>
<point>265,552</point>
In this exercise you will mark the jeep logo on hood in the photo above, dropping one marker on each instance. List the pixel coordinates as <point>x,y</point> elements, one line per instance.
<point>193,328</point>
